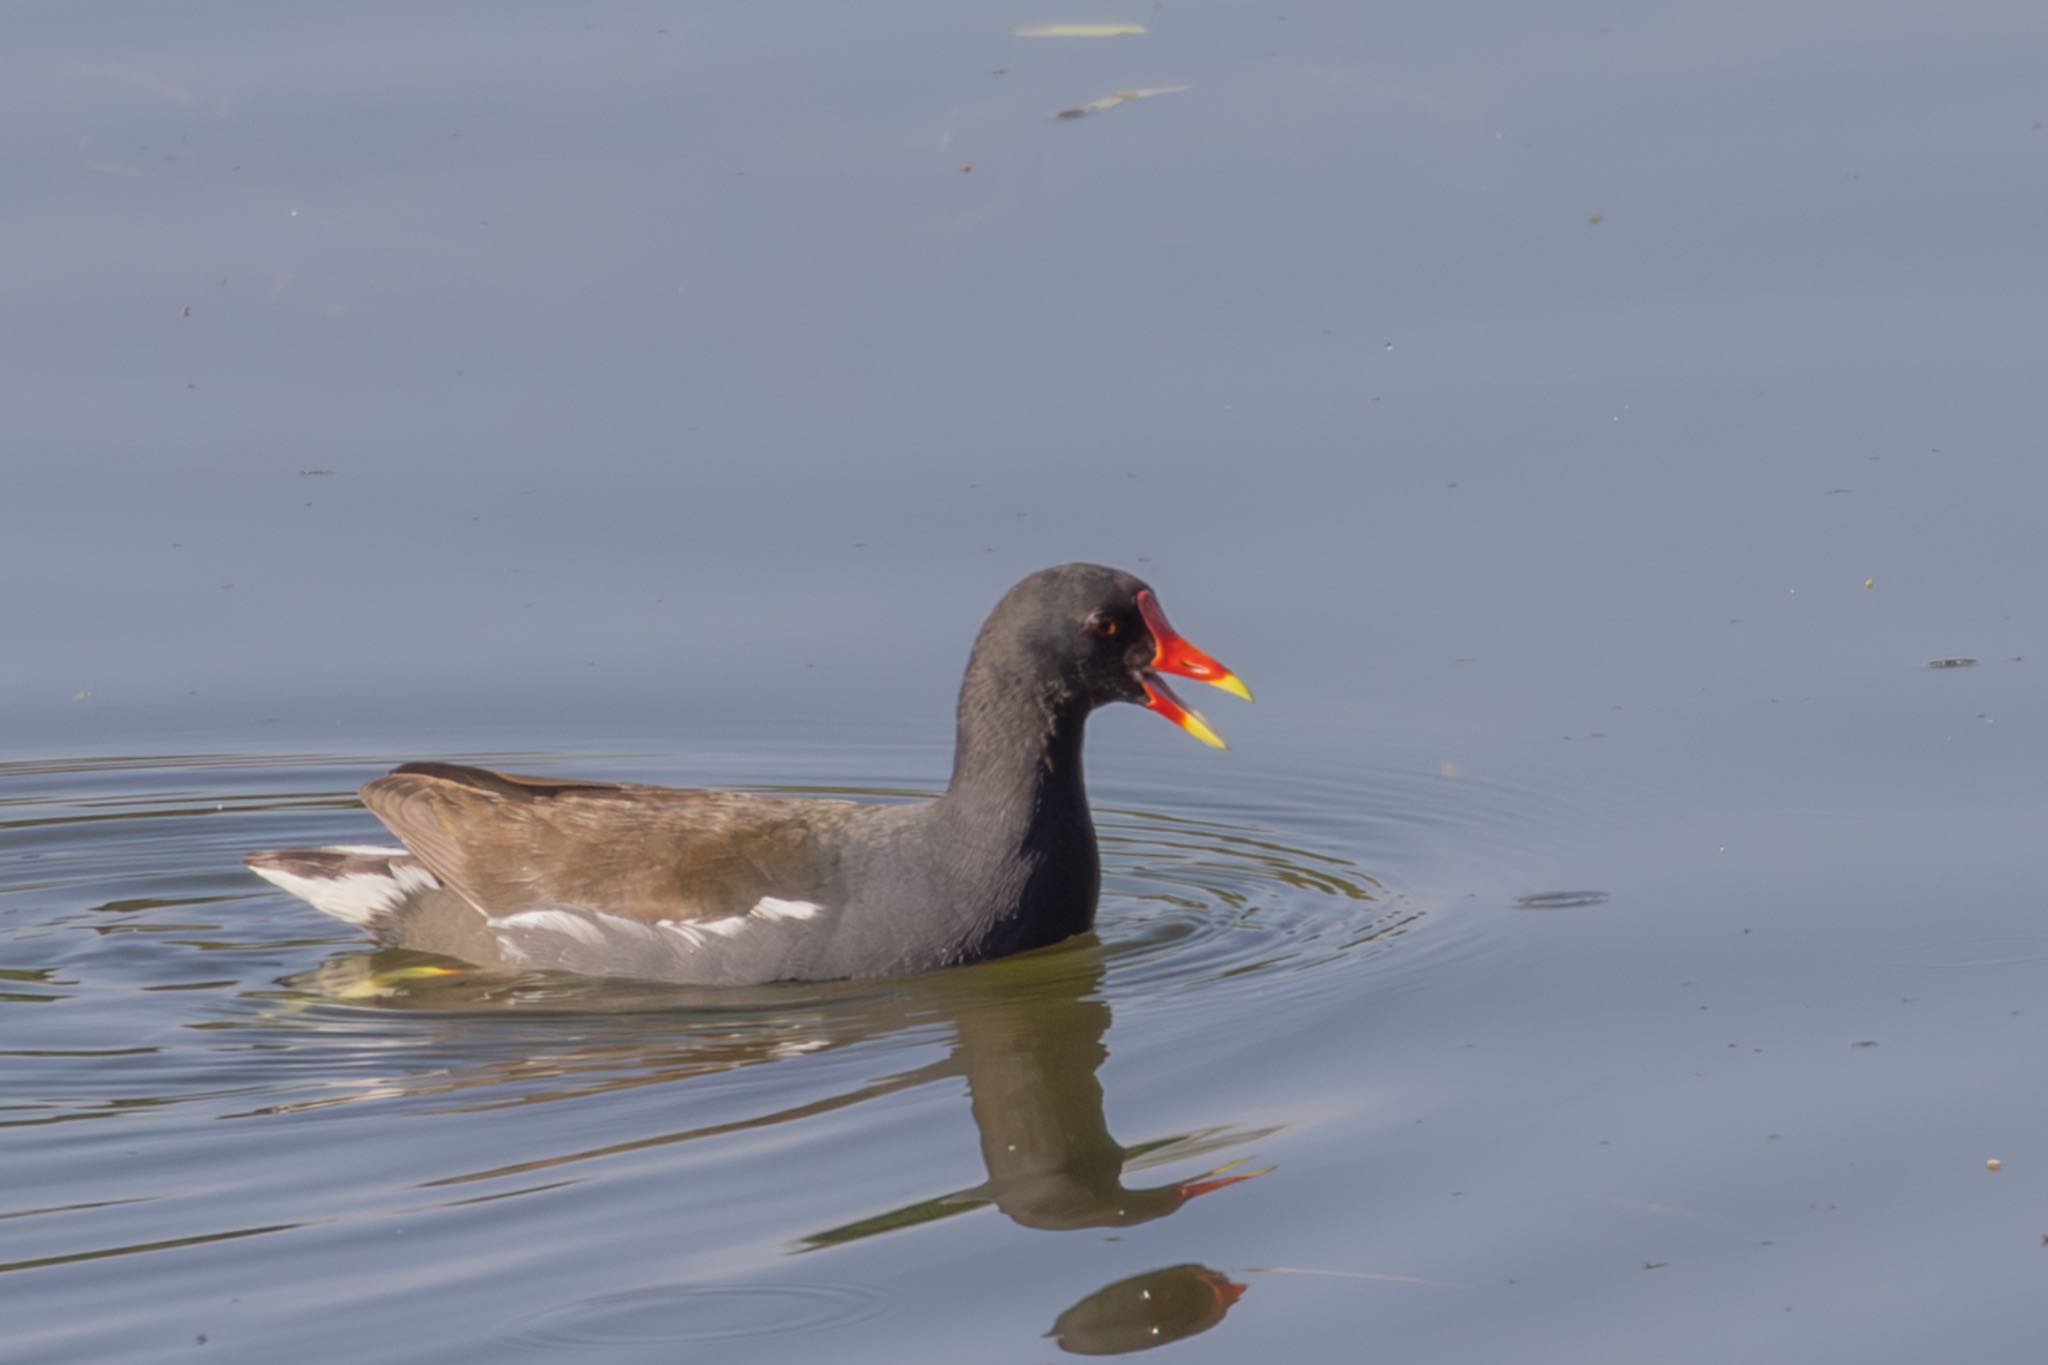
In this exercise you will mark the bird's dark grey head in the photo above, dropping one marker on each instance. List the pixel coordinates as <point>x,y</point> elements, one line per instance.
<point>1076,628</point>
<point>1083,635</point>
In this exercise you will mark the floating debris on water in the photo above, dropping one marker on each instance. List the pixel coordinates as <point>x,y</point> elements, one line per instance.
<point>1077,30</point>
<point>1113,99</point>
<point>1951,663</point>
<point>1561,900</point>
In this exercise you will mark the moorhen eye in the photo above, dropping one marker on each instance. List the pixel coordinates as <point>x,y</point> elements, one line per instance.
<point>1102,627</point>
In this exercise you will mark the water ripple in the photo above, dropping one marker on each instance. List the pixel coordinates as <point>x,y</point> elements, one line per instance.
<point>676,1313</point>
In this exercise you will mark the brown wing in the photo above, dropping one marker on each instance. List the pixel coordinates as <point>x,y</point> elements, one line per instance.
<point>509,843</point>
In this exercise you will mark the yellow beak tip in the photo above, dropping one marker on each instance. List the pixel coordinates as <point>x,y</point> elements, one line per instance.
<point>1232,684</point>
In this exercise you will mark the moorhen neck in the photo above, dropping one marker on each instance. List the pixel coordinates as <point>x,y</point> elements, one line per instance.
<point>622,879</point>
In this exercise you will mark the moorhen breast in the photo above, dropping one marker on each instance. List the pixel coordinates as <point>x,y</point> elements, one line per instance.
<point>714,887</point>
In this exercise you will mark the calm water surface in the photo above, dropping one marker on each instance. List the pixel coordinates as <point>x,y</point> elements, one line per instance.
<point>1609,939</point>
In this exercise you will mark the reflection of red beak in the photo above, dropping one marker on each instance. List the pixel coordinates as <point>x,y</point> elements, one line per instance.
<point>1191,1188</point>
<point>1173,654</point>
<point>1208,1182</point>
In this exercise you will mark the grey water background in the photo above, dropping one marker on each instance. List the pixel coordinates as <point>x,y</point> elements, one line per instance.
<point>1583,426</point>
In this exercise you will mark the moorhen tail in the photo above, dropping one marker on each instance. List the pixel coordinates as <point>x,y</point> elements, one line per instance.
<point>713,887</point>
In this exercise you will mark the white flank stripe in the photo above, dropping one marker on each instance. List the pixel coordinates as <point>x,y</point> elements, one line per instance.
<point>724,928</point>
<point>365,850</point>
<point>564,922</point>
<point>598,928</point>
<point>772,908</point>
<point>695,932</point>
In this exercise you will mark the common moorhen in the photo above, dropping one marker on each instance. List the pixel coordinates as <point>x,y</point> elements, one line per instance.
<point>714,887</point>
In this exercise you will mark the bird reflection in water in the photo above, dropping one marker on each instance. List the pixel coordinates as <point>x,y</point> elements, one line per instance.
<point>1029,1056</point>
<point>1030,1059</point>
<point>1028,1037</point>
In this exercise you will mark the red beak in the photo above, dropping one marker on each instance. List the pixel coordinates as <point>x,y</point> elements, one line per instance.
<point>1172,653</point>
